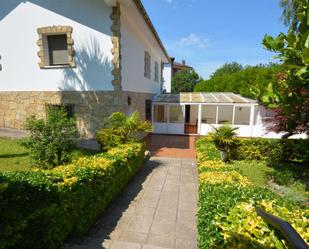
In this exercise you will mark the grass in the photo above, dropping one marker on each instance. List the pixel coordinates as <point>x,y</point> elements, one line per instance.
<point>288,180</point>
<point>257,171</point>
<point>285,181</point>
<point>14,157</point>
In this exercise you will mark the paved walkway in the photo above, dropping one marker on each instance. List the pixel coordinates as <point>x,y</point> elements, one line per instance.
<point>155,211</point>
<point>178,146</point>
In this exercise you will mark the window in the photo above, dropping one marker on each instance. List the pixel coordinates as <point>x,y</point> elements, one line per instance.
<point>161,76</point>
<point>58,49</point>
<point>242,115</point>
<point>148,109</point>
<point>225,114</point>
<point>176,114</point>
<point>209,114</point>
<point>69,108</point>
<point>256,115</point>
<point>56,46</point>
<point>156,71</point>
<point>159,114</point>
<point>147,69</point>
<point>161,72</point>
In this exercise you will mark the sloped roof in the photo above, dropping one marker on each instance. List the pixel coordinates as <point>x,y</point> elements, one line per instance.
<point>203,97</point>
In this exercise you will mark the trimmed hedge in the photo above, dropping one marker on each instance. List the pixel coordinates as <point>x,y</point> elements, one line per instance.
<point>39,209</point>
<point>272,149</point>
<point>226,216</point>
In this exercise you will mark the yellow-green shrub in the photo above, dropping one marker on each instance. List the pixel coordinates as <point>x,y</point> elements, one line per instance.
<point>272,149</point>
<point>229,177</point>
<point>226,218</point>
<point>40,208</point>
<point>243,228</point>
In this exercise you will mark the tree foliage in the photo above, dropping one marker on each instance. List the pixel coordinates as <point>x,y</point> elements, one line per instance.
<point>250,81</point>
<point>290,12</point>
<point>228,68</point>
<point>290,94</point>
<point>51,141</point>
<point>185,81</point>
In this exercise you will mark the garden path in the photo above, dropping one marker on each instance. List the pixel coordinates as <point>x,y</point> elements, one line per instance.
<point>156,210</point>
<point>177,146</point>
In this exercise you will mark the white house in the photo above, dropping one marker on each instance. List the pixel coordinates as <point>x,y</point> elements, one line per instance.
<point>200,113</point>
<point>93,57</point>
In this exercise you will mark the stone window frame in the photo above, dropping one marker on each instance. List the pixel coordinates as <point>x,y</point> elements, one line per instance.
<point>43,32</point>
<point>147,65</point>
<point>156,71</point>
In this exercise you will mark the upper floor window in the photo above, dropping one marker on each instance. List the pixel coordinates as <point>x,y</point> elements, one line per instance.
<point>147,66</point>
<point>156,71</point>
<point>56,46</point>
<point>58,49</point>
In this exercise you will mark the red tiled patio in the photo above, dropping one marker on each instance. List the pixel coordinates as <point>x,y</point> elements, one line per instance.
<point>171,145</point>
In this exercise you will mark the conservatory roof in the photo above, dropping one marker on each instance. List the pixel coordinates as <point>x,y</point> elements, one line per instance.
<point>203,97</point>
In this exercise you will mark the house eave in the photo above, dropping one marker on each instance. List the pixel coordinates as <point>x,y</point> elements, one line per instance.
<point>150,25</point>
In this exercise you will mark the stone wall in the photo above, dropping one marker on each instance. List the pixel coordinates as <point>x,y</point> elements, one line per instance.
<point>91,107</point>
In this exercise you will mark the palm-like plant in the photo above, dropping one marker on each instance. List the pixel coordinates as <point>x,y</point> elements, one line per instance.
<point>289,14</point>
<point>224,138</point>
<point>120,129</point>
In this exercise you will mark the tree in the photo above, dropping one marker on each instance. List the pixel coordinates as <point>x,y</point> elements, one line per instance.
<point>250,81</point>
<point>290,94</point>
<point>51,141</point>
<point>185,81</point>
<point>290,10</point>
<point>228,68</point>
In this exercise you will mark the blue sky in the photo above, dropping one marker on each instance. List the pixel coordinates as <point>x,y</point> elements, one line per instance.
<point>208,33</point>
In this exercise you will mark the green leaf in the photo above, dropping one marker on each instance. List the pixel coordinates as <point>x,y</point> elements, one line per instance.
<point>305,56</point>
<point>306,39</point>
<point>302,71</point>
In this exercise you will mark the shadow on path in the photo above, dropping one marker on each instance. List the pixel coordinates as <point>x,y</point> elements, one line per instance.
<point>104,229</point>
<point>157,210</point>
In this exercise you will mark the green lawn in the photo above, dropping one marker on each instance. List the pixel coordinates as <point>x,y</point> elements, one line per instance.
<point>15,157</point>
<point>257,171</point>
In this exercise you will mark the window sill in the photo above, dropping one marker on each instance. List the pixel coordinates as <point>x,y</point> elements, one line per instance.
<point>57,67</point>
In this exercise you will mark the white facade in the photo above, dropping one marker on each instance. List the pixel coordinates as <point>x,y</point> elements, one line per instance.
<point>92,35</point>
<point>167,76</point>
<point>91,24</point>
<point>248,116</point>
<point>136,38</point>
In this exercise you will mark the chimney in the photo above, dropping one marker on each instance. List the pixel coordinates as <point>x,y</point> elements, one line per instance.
<point>183,62</point>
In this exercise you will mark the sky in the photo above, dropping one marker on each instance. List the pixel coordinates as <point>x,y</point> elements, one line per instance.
<point>209,33</point>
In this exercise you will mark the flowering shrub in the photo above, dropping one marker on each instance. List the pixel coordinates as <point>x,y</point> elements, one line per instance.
<point>226,216</point>
<point>40,208</point>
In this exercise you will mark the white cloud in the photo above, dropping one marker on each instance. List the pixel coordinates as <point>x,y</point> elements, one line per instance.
<point>194,40</point>
<point>168,1</point>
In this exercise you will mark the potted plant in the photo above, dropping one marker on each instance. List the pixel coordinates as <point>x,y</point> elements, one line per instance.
<point>224,138</point>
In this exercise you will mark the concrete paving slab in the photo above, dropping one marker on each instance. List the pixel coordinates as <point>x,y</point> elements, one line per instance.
<point>156,211</point>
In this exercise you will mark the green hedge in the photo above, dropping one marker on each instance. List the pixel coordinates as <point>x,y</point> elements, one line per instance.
<point>272,149</point>
<point>39,209</point>
<point>226,215</point>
